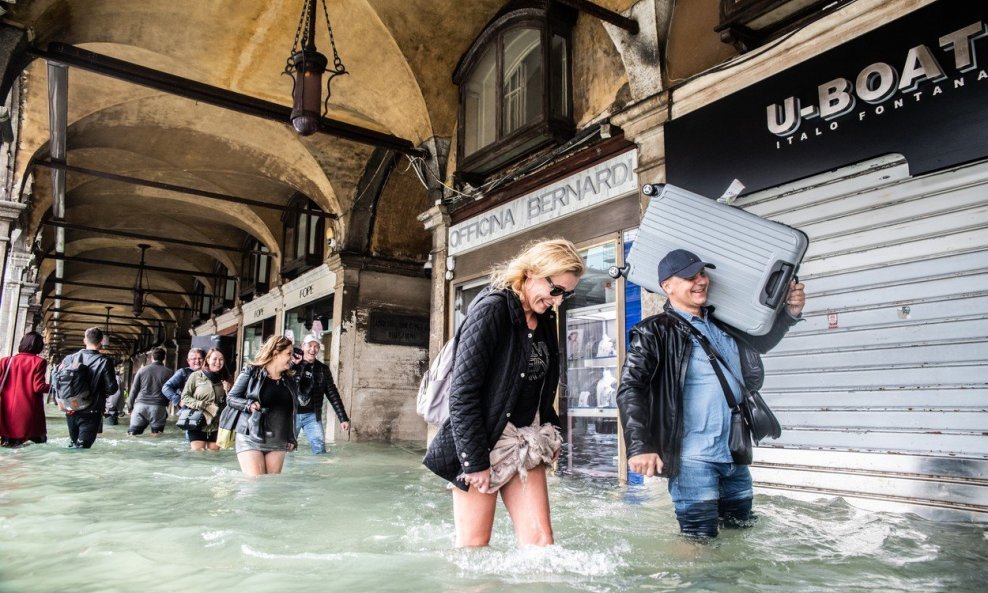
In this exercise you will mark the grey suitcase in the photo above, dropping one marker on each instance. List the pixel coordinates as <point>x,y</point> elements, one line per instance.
<point>755,257</point>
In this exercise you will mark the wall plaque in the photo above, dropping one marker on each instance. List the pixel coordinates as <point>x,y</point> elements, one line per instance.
<point>398,330</point>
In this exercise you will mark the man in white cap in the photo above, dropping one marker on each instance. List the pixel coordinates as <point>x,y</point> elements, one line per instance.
<point>673,407</point>
<point>315,381</point>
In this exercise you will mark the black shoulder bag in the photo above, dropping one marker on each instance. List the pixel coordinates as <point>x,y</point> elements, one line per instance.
<point>739,441</point>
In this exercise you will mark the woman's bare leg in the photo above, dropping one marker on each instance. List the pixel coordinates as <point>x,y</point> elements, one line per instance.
<point>252,463</point>
<point>473,515</point>
<point>528,505</point>
<point>273,460</point>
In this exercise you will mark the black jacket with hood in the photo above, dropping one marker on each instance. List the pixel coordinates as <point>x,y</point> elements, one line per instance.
<point>488,375</point>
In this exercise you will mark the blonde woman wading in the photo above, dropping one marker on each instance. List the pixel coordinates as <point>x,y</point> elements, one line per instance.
<point>502,429</point>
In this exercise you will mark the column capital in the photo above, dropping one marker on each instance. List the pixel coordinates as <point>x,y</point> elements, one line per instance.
<point>435,217</point>
<point>645,115</point>
<point>9,211</point>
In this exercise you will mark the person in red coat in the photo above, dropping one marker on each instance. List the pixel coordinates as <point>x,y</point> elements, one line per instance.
<point>22,390</point>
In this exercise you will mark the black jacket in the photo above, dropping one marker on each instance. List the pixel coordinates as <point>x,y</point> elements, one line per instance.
<point>315,380</point>
<point>103,379</point>
<point>490,361</point>
<point>247,390</point>
<point>650,396</point>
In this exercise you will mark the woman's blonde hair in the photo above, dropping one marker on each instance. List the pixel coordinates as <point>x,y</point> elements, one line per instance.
<point>273,347</point>
<point>539,259</point>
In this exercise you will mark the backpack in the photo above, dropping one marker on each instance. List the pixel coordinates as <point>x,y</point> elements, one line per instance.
<point>73,384</point>
<point>432,403</point>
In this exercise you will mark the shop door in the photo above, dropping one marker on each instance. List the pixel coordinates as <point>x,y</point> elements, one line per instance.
<point>589,346</point>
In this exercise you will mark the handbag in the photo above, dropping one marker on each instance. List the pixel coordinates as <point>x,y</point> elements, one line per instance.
<point>226,438</point>
<point>189,419</point>
<point>760,417</point>
<point>739,441</point>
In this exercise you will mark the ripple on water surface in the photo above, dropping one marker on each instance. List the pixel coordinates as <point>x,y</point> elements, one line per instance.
<point>145,514</point>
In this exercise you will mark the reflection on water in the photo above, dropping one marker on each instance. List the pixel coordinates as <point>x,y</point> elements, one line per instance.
<point>146,514</point>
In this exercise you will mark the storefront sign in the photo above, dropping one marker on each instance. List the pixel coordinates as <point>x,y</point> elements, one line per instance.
<point>262,307</point>
<point>398,330</point>
<point>605,181</point>
<point>312,285</point>
<point>917,87</point>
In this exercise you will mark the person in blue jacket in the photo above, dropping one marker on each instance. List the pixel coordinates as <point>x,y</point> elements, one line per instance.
<point>174,386</point>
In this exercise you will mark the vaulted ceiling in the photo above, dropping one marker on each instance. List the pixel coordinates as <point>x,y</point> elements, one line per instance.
<point>399,54</point>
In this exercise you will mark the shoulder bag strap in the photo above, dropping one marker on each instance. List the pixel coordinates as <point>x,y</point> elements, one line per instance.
<point>6,371</point>
<point>713,357</point>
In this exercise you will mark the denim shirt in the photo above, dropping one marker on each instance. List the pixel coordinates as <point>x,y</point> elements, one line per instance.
<point>707,419</point>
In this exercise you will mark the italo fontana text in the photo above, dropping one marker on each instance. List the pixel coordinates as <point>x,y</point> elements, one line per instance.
<point>877,86</point>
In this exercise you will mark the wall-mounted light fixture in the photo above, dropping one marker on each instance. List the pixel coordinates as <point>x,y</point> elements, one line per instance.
<point>306,66</point>
<point>450,266</point>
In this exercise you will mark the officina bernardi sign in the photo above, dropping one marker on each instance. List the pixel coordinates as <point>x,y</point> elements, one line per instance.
<point>917,86</point>
<point>605,181</point>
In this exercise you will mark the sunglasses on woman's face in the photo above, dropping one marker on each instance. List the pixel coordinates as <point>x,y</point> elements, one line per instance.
<point>558,290</point>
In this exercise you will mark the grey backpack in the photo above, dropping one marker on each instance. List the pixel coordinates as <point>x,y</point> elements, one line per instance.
<point>432,403</point>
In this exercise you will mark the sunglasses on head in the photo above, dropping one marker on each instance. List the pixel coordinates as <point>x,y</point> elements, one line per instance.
<point>558,290</point>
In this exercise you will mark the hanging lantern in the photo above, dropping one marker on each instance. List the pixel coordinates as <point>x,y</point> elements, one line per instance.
<point>306,66</point>
<point>141,287</point>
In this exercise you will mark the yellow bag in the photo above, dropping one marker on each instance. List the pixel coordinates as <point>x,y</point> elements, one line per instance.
<point>225,438</point>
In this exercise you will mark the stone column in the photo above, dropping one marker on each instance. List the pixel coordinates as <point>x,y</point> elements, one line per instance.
<point>436,220</point>
<point>28,290</point>
<point>9,211</point>
<point>10,309</point>
<point>344,343</point>
<point>644,124</point>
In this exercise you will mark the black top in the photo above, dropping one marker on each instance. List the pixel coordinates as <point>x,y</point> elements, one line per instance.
<point>276,401</point>
<point>527,405</point>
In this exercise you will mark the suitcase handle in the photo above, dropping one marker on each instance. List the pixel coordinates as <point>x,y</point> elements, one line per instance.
<point>777,284</point>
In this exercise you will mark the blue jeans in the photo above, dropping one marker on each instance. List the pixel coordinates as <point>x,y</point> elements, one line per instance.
<point>313,431</point>
<point>706,493</point>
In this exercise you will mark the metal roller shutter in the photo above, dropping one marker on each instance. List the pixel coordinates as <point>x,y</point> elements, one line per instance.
<point>883,390</point>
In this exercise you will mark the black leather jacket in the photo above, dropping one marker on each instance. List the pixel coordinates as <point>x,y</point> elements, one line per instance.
<point>315,380</point>
<point>650,396</point>
<point>247,390</point>
<point>491,358</point>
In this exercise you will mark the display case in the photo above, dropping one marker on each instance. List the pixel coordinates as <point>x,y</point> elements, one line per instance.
<point>591,351</point>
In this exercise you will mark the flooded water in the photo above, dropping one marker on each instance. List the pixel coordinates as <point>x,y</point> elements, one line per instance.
<point>145,514</point>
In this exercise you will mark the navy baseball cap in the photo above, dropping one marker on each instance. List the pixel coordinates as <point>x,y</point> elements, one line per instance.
<point>681,263</point>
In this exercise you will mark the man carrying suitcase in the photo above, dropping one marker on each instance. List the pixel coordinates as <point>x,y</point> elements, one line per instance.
<point>673,407</point>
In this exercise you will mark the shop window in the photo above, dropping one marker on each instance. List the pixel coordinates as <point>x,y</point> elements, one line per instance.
<point>202,301</point>
<point>463,296</point>
<point>224,291</point>
<point>514,81</point>
<point>255,269</point>
<point>304,237</point>
<point>590,345</point>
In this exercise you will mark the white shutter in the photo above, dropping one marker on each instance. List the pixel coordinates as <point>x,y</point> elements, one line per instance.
<point>883,390</point>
